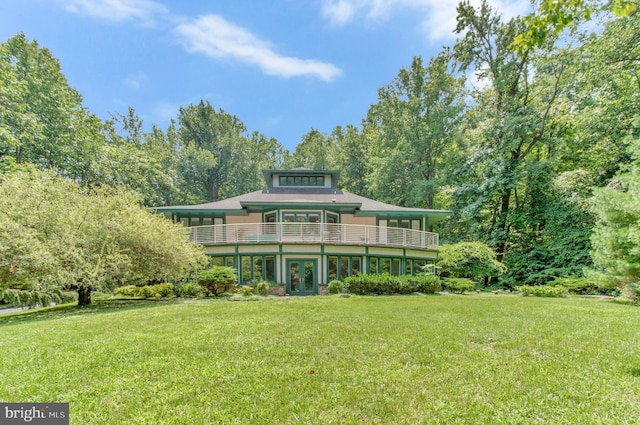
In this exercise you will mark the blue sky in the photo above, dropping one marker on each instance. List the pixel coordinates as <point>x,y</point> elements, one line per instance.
<point>282,66</point>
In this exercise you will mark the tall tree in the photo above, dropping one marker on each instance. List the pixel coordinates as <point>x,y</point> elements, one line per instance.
<point>513,113</point>
<point>415,119</point>
<point>616,236</point>
<point>208,137</point>
<point>352,159</point>
<point>315,151</point>
<point>42,118</point>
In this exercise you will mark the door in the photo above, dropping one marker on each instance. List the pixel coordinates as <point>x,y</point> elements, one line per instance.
<point>301,277</point>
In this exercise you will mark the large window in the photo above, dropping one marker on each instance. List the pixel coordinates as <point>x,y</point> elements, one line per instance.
<point>200,221</point>
<point>300,217</point>
<point>342,267</point>
<point>401,223</point>
<point>381,265</point>
<point>223,261</point>
<point>255,268</point>
<point>301,180</point>
<point>417,266</point>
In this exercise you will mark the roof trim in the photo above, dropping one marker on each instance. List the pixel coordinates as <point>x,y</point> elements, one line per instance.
<point>302,204</point>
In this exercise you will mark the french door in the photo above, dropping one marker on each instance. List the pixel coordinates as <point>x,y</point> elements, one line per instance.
<point>302,277</point>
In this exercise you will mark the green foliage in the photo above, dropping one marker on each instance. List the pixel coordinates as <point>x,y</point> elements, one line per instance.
<point>616,236</point>
<point>581,286</point>
<point>472,260</point>
<point>262,288</point>
<point>413,127</point>
<point>315,151</point>
<point>552,17</point>
<point>244,290</point>
<point>34,298</point>
<point>384,284</point>
<point>42,119</point>
<point>458,285</point>
<point>127,291</point>
<point>542,290</point>
<point>160,290</point>
<point>632,292</point>
<point>335,287</point>
<point>218,279</point>
<point>61,236</point>
<point>189,289</point>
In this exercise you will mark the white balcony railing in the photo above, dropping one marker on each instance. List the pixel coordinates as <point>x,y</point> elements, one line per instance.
<point>324,233</point>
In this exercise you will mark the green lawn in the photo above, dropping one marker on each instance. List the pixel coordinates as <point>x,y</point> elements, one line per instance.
<point>321,360</point>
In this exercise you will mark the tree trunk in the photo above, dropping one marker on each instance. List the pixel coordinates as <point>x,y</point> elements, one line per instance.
<point>84,295</point>
<point>501,228</point>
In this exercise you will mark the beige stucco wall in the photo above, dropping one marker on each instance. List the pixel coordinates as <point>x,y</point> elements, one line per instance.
<point>351,219</point>
<point>243,219</point>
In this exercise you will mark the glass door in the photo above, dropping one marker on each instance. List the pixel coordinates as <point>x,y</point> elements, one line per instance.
<point>301,277</point>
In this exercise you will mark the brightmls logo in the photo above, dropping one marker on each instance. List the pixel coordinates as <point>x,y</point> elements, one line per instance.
<point>34,413</point>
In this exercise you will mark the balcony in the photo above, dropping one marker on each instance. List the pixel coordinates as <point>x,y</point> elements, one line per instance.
<point>313,233</point>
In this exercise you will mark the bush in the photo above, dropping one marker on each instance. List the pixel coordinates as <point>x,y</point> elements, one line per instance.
<point>458,285</point>
<point>262,288</point>
<point>336,287</point>
<point>384,284</point>
<point>189,290</point>
<point>161,290</point>
<point>245,290</point>
<point>218,279</point>
<point>632,291</point>
<point>127,291</point>
<point>542,290</point>
<point>471,260</point>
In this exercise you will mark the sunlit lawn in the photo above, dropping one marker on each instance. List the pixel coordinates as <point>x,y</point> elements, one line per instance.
<point>321,360</point>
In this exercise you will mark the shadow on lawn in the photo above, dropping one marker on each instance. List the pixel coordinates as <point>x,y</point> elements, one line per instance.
<point>68,310</point>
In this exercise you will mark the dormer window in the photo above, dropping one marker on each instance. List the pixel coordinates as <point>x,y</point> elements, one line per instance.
<point>301,181</point>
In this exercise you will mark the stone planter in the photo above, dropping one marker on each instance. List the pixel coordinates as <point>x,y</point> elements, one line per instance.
<point>276,290</point>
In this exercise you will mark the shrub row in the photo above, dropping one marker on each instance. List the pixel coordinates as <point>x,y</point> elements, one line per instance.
<point>458,285</point>
<point>542,291</point>
<point>161,290</point>
<point>384,284</point>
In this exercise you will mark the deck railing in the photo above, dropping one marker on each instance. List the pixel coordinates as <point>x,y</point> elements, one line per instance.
<point>324,233</point>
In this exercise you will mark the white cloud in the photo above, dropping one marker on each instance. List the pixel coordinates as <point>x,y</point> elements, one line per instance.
<point>165,111</point>
<point>135,81</point>
<point>439,16</point>
<point>215,37</point>
<point>143,11</point>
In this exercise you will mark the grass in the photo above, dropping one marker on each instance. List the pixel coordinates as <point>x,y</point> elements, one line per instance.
<point>322,360</point>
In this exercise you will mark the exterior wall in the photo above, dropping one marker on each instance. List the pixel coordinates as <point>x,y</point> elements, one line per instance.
<point>243,219</point>
<point>282,253</point>
<point>351,219</point>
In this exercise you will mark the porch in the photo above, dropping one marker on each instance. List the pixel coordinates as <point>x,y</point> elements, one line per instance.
<point>313,233</point>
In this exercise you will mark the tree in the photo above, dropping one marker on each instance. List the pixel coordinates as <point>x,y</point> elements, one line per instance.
<point>512,113</point>
<point>471,260</point>
<point>552,17</point>
<point>208,138</point>
<point>315,151</point>
<point>352,159</point>
<point>140,162</point>
<point>57,235</point>
<point>42,119</point>
<point>602,99</point>
<point>415,120</point>
<point>616,235</point>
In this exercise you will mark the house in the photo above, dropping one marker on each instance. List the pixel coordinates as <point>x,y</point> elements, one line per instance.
<point>302,231</point>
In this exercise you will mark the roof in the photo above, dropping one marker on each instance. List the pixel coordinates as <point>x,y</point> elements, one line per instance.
<point>307,198</point>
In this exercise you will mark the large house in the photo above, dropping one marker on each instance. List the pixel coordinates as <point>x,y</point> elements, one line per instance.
<point>302,232</point>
